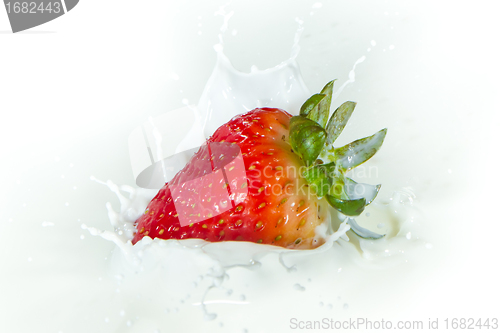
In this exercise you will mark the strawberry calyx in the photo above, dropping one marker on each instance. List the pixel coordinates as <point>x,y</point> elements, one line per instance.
<point>312,137</point>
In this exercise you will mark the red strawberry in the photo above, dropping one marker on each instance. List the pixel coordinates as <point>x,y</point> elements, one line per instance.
<point>259,179</point>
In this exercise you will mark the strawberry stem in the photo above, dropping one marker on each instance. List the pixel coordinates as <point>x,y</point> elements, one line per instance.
<point>320,178</point>
<point>312,138</point>
<point>312,104</point>
<point>339,120</point>
<point>362,232</point>
<point>324,107</point>
<point>307,138</point>
<point>358,152</point>
<point>347,207</point>
<point>359,190</point>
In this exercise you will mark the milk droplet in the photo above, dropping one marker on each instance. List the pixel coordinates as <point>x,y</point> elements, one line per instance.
<point>299,287</point>
<point>373,42</point>
<point>210,316</point>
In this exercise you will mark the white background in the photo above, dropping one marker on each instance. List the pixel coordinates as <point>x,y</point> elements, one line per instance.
<point>73,89</point>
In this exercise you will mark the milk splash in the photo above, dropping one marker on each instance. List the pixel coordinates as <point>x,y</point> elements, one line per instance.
<point>150,254</point>
<point>234,92</point>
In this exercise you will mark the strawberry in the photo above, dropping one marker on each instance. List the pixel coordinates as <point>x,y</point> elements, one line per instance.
<point>266,177</point>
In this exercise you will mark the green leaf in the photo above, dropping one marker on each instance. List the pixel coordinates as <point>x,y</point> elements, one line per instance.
<point>338,121</point>
<point>337,189</point>
<point>319,178</point>
<point>307,138</point>
<point>362,232</point>
<point>328,91</point>
<point>321,113</point>
<point>347,207</point>
<point>359,151</point>
<point>359,190</point>
<point>311,104</point>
